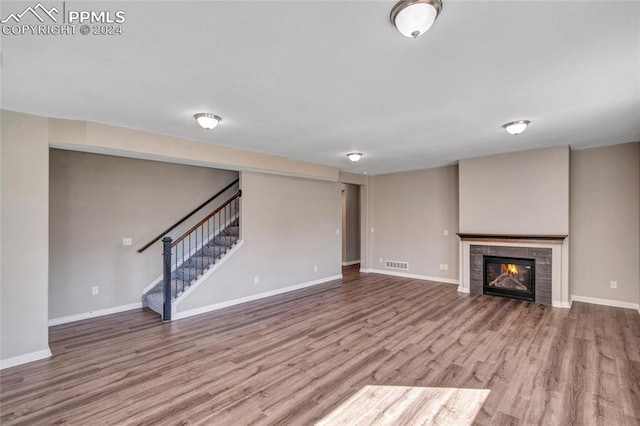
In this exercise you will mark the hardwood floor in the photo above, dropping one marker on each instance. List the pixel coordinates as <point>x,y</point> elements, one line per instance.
<point>294,358</point>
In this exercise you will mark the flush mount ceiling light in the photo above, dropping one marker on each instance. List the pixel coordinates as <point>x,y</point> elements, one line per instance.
<point>414,17</point>
<point>516,127</point>
<point>354,156</point>
<point>207,121</point>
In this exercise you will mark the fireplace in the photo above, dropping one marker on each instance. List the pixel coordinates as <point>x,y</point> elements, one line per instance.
<point>551,286</point>
<point>509,277</point>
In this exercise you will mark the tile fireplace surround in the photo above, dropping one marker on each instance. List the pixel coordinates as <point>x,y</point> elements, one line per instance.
<point>549,251</point>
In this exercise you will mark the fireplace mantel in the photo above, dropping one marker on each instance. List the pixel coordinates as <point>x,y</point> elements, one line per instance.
<point>514,238</point>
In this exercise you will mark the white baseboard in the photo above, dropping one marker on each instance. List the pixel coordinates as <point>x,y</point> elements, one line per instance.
<point>605,302</point>
<point>565,305</point>
<point>23,359</point>
<point>464,290</point>
<point>417,277</point>
<point>93,314</point>
<point>221,305</point>
<point>353,262</point>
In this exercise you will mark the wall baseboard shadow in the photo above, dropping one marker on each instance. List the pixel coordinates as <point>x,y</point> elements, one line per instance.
<point>23,359</point>
<point>605,302</point>
<point>221,305</point>
<point>406,275</point>
<point>93,314</point>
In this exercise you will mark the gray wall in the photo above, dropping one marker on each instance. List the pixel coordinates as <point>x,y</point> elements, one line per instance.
<point>605,222</point>
<point>24,175</point>
<point>288,226</point>
<point>351,223</point>
<point>524,192</point>
<point>96,201</point>
<point>409,213</point>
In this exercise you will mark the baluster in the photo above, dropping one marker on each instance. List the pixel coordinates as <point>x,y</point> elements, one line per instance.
<point>182,266</point>
<point>224,211</point>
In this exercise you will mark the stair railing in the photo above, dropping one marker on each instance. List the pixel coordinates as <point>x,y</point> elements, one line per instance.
<point>191,254</point>
<point>194,211</point>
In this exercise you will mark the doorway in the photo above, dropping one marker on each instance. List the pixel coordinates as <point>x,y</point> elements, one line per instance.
<point>350,227</point>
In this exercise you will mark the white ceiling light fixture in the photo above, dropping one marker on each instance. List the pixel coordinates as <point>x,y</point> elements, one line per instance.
<point>414,17</point>
<point>516,127</point>
<point>207,121</point>
<point>354,156</point>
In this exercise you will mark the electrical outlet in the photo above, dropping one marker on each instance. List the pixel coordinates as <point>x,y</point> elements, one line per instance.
<point>315,268</point>
<point>95,290</point>
<point>614,284</point>
<point>381,260</point>
<point>441,267</point>
<point>256,280</point>
<point>337,232</point>
<point>126,241</point>
<point>446,267</point>
<point>372,230</point>
<point>446,232</point>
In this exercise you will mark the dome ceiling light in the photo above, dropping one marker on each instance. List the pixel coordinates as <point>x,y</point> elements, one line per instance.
<point>207,121</point>
<point>516,127</point>
<point>354,156</point>
<point>414,17</point>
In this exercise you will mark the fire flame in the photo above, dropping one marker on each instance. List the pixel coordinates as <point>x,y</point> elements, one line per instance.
<point>509,268</point>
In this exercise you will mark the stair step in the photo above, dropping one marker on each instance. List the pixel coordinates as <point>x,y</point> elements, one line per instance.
<point>232,231</point>
<point>202,262</point>
<point>186,273</point>
<point>213,251</point>
<point>154,302</point>
<point>225,240</point>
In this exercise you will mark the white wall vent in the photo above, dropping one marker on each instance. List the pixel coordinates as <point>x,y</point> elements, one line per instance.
<point>394,264</point>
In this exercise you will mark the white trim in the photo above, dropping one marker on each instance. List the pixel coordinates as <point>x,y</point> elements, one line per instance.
<point>23,359</point>
<point>174,266</point>
<point>93,314</point>
<point>605,302</point>
<point>221,305</point>
<point>206,274</point>
<point>417,277</point>
<point>352,262</point>
<point>564,305</point>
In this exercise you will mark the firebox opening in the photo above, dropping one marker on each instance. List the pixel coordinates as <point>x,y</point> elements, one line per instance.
<point>509,277</point>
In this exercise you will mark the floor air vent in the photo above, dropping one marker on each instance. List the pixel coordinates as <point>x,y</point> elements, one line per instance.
<point>393,264</point>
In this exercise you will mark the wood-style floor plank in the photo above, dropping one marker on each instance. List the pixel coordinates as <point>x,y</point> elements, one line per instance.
<point>295,358</point>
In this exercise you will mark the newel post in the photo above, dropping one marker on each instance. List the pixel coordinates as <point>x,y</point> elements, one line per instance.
<point>166,279</point>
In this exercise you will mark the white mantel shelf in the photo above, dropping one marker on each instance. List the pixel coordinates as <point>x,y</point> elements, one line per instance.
<point>515,238</point>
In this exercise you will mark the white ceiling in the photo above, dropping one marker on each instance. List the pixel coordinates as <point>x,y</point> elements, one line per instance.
<point>313,80</point>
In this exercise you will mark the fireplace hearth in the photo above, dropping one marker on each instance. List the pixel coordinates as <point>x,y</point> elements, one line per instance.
<point>509,277</point>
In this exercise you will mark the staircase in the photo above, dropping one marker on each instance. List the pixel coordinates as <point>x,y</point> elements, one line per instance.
<point>195,253</point>
<point>193,267</point>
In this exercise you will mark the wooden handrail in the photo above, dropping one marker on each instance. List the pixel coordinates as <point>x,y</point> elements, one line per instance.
<point>197,225</point>
<point>172,227</point>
